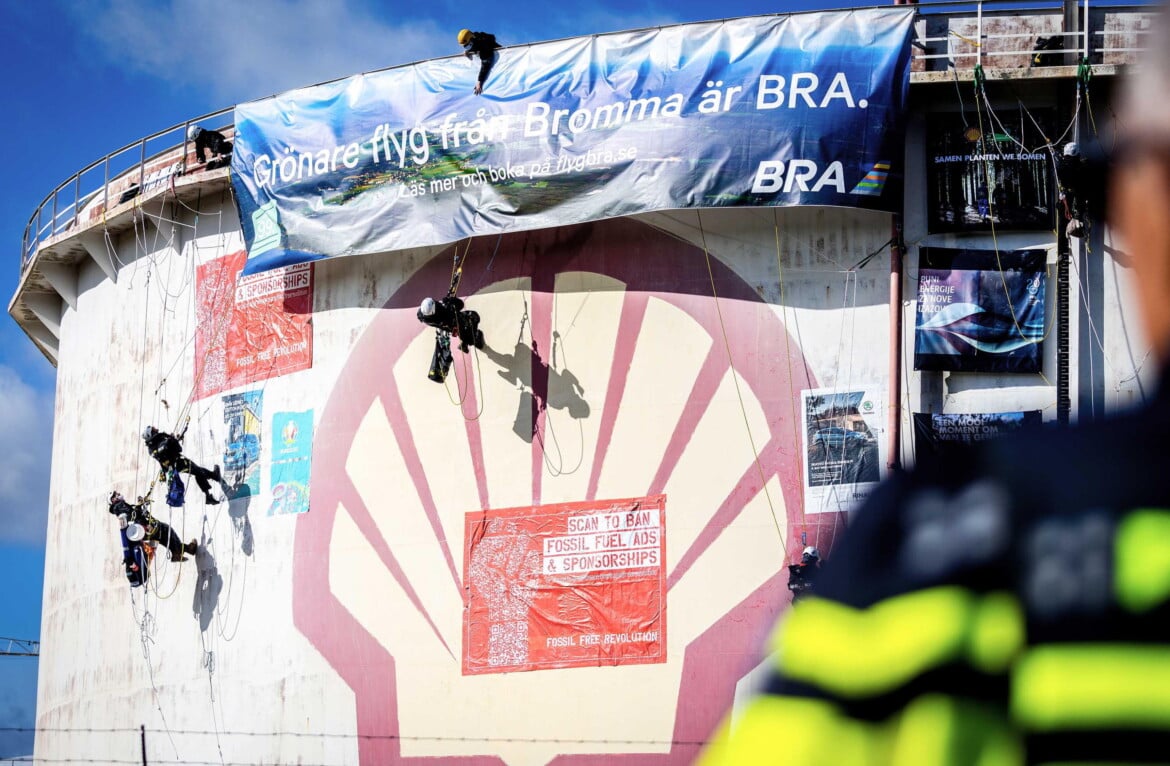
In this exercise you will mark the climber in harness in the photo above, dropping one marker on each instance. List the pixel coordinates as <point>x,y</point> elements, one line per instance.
<point>138,527</point>
<point>800,576</point>
<point>484,45</point>
<point>210,141</point>
<point>449,318</point>
<point>168,451</point>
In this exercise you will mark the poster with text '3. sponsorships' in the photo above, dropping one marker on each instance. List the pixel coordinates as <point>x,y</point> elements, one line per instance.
<point>250,329</point>
<point>843,447</point>
<point>569,585</point>
<point>980,310</point>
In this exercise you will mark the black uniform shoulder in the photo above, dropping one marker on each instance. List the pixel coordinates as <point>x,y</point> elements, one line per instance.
<point>941,522</point>
<point>967,519</point>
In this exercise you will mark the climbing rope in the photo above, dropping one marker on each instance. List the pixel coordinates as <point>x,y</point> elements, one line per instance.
<point>735,380</point>
<point>796,450</point>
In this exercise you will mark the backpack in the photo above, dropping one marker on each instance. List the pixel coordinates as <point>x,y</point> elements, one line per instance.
<point>1048,51</point>
<point>176,491</point>
<point>135,561</point>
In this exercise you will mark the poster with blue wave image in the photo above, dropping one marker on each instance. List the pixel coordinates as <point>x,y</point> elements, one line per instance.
<point>980,310</point>
<point>799,109</point>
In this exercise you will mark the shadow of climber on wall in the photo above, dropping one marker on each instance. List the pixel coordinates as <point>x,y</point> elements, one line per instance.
<point>558,389</point>
<point>207,589</point>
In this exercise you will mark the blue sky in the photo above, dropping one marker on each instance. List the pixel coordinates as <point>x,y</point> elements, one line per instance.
<point>86,77</point>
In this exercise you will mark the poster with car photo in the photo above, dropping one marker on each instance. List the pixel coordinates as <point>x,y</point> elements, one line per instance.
<point>843,446</point>
<point>242,414</point>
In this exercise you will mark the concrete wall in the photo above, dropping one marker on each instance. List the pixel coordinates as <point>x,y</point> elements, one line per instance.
<point>337,636</point>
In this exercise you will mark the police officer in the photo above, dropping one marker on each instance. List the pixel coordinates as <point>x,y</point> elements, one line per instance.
<point>1011,606</point>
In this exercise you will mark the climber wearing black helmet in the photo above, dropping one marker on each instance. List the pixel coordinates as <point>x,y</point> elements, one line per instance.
<point>447,314</point>
<point>800,576</point>
<point>151,528</point>
<point>168,451</point>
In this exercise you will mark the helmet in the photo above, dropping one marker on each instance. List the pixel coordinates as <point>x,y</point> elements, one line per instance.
<point>135,531</point>
<point>427,307</point>
<point>1071,149</point>
<point>115,496</point>
<point>148,432</point>
<point>464,36</point>
<point>192,132</point>
<point>810,553</point>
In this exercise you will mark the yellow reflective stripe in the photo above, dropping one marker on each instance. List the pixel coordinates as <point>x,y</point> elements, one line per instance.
<point>939,729</point>
<point>997,633</point>
<point>932,729</point>
<point>855,653</point>
<point>1089,686</point>
<point>1141,572</point>
<point>790,730</point>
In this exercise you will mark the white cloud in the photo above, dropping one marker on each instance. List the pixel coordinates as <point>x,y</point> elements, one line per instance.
<point>237,51</point>
<point>26,438</point>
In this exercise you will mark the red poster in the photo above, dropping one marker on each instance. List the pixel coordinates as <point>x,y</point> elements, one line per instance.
<point>564,586</point>
<point>251,328</point>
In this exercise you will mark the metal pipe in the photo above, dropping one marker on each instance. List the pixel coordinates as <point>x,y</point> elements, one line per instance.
<point>1085,21</point>
<point>894,405</point>
<point>979,35</point>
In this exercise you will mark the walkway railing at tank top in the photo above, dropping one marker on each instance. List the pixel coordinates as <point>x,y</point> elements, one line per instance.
<point>992,33</point>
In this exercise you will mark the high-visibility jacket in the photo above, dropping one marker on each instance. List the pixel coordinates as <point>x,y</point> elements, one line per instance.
<point>1010,607</point>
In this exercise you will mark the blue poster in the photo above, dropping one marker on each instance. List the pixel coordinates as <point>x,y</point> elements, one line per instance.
<point>292,452</point>
<point>980,310</point>
<point>803,109</point>
<point>242,414</point>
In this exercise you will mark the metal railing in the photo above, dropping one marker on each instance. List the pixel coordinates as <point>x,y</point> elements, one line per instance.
<point>987,45</point>
<point>134,169</point>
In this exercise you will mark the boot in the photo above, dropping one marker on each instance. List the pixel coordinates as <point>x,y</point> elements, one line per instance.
<point>190,547</point>
<point>215,474</point>
<point>210,499</point>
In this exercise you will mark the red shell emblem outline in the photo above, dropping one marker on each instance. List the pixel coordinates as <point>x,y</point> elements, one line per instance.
<point>651,264</point>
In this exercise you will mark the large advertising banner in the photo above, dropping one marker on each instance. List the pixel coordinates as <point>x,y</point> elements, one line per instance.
<point>242,414</point>
<point>780,110</point>
<point>999,176</point>
<point>292,453</point>
<point>562,586</point>
<point>250,328</point>
<point>980,310</point>
<point>842,445</point>
<point>937,435</point>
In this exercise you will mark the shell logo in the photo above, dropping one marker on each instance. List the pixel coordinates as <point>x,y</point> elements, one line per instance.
<point>605,375</point>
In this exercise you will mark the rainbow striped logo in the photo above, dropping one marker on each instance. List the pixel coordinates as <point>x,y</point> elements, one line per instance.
<point>874,181</point>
